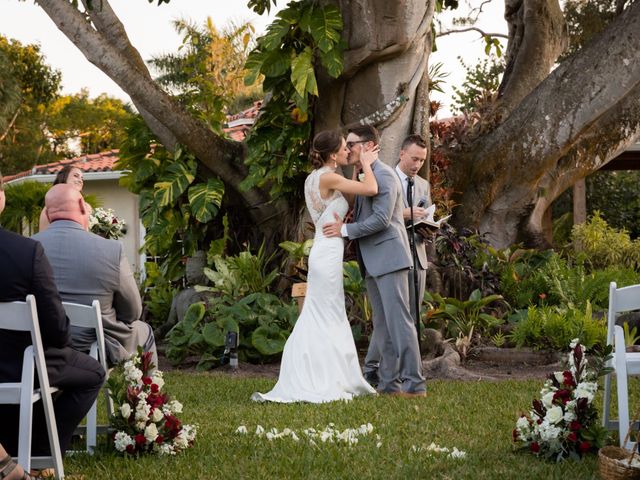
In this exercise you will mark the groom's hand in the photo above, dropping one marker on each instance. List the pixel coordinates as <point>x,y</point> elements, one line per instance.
<point>333,229</point>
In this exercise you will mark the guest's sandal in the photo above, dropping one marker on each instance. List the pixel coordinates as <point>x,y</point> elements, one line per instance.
<point>7,466</point>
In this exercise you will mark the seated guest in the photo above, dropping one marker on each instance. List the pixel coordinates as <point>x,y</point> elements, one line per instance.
<point>9,469</point>
<point>25,270</point>
<point>87,267</point>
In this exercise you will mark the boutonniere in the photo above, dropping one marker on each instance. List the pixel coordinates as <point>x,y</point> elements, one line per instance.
<point>361,177</point>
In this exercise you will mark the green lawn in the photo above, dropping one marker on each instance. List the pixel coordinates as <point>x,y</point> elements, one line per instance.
<point>476,417</point>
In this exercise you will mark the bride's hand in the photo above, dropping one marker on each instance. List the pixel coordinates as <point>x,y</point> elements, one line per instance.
<point>369,156</point>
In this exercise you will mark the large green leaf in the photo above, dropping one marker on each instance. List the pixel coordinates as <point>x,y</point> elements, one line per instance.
<point>253,66</point>
<point>332,62</point>
<point>326,25</point>
<point>273,38</point>
<point>276,63</point>
<point>174,182</point>
<point>205,199</point>
<point>269,339</point>
<point>302,75</point>
<point>213,334</point>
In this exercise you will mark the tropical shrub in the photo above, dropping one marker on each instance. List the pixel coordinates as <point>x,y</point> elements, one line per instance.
<point>603,246</point>
<point>261,320</point>
<point>553,327</point>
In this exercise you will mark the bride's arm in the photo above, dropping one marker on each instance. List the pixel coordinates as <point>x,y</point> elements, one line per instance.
<point>368,187</point>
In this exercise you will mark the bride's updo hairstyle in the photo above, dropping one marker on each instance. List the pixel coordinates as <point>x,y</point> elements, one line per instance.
<point>324,144</point>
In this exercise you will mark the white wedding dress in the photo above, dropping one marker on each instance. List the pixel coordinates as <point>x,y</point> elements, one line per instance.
<point>320,361</point>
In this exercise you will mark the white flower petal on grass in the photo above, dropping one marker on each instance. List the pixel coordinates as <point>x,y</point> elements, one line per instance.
<point>378,445</point>
<point>242,430</point>
<point>455,453</point>
<point>259,430</point>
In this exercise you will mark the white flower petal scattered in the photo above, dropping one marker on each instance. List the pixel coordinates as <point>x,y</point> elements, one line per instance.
<point>241,430</point>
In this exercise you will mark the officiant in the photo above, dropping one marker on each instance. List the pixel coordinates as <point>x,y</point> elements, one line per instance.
<point>413,154</point>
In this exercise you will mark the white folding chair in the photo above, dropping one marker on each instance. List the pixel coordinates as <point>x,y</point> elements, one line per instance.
<point>624,363</point>
<point>23,317</point>
<point>85,316</point>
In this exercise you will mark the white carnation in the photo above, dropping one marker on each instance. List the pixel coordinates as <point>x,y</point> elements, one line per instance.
<point>175,406</point>
<point>122,441</point>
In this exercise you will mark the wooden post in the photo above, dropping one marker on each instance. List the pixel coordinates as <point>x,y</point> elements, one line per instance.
<point>299,291</point>
<point>579,202</point>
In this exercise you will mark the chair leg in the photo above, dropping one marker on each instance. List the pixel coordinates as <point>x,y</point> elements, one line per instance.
<point>606,402</point>
<point>92,427</point>
<point>623,391</point>
<point>26,414</point>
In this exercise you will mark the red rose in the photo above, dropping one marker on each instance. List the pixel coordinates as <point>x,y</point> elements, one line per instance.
<point>535,448</point>
<point>575,426</point>
<point>572,437</point>
<point>159,439</point>
<point>139,438</point>
<point>154,388</point>
<point>514,434</point>
<point>147,380</point>
<point>130,449</point>
<point>584,447</point>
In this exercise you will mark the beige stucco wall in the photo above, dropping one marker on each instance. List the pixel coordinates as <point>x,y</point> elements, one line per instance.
<point>125,205</point>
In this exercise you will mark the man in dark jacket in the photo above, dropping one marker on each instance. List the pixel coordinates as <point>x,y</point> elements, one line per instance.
<point>25,270</point>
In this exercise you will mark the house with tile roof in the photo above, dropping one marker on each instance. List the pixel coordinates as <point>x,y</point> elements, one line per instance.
<point>102,180</point>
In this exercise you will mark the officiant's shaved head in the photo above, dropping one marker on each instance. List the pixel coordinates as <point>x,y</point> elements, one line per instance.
<point>65,202</point>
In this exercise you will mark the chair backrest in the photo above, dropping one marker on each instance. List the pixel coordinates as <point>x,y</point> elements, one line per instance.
<point>86,316</point>
<point>623,299</point>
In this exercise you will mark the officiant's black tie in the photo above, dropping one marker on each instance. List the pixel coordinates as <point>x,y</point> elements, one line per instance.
<point>409,191</point>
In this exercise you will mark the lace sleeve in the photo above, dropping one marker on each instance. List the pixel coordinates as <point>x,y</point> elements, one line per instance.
<point>314,202</point>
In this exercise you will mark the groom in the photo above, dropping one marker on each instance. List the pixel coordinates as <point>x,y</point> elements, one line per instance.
<point>384,258</point>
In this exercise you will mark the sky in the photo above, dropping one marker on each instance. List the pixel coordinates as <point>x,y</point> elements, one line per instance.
<point>151,32</point>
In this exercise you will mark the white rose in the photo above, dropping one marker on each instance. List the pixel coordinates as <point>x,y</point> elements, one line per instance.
<point>559,377</point>
<point>554,415</point>
<point>151,432</point>
<point>547,399</point>
<point>157,415</point>
<point>125,410</point>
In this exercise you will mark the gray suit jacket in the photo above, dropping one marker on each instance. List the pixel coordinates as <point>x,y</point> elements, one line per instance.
<point>383,246</point>
<point>88,267</point>
<point>421,191</point>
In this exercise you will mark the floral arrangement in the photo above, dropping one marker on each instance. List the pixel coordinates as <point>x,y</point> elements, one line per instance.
<point>145,418</point>
<point>564,422</point>
<point>105,223</point>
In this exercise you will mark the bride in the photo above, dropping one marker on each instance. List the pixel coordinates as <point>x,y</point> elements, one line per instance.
<point>320,361</point>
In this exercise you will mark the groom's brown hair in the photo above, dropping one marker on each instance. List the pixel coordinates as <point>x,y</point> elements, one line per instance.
<point>366,132</point>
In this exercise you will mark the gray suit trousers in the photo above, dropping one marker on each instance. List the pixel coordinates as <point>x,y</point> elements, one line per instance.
<point>394,333</point>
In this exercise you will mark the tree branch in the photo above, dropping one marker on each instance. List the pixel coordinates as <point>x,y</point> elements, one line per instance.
<point>110,27</point>
<point>471,29</point>
<point>216,152</point>
<point>11,123</point>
